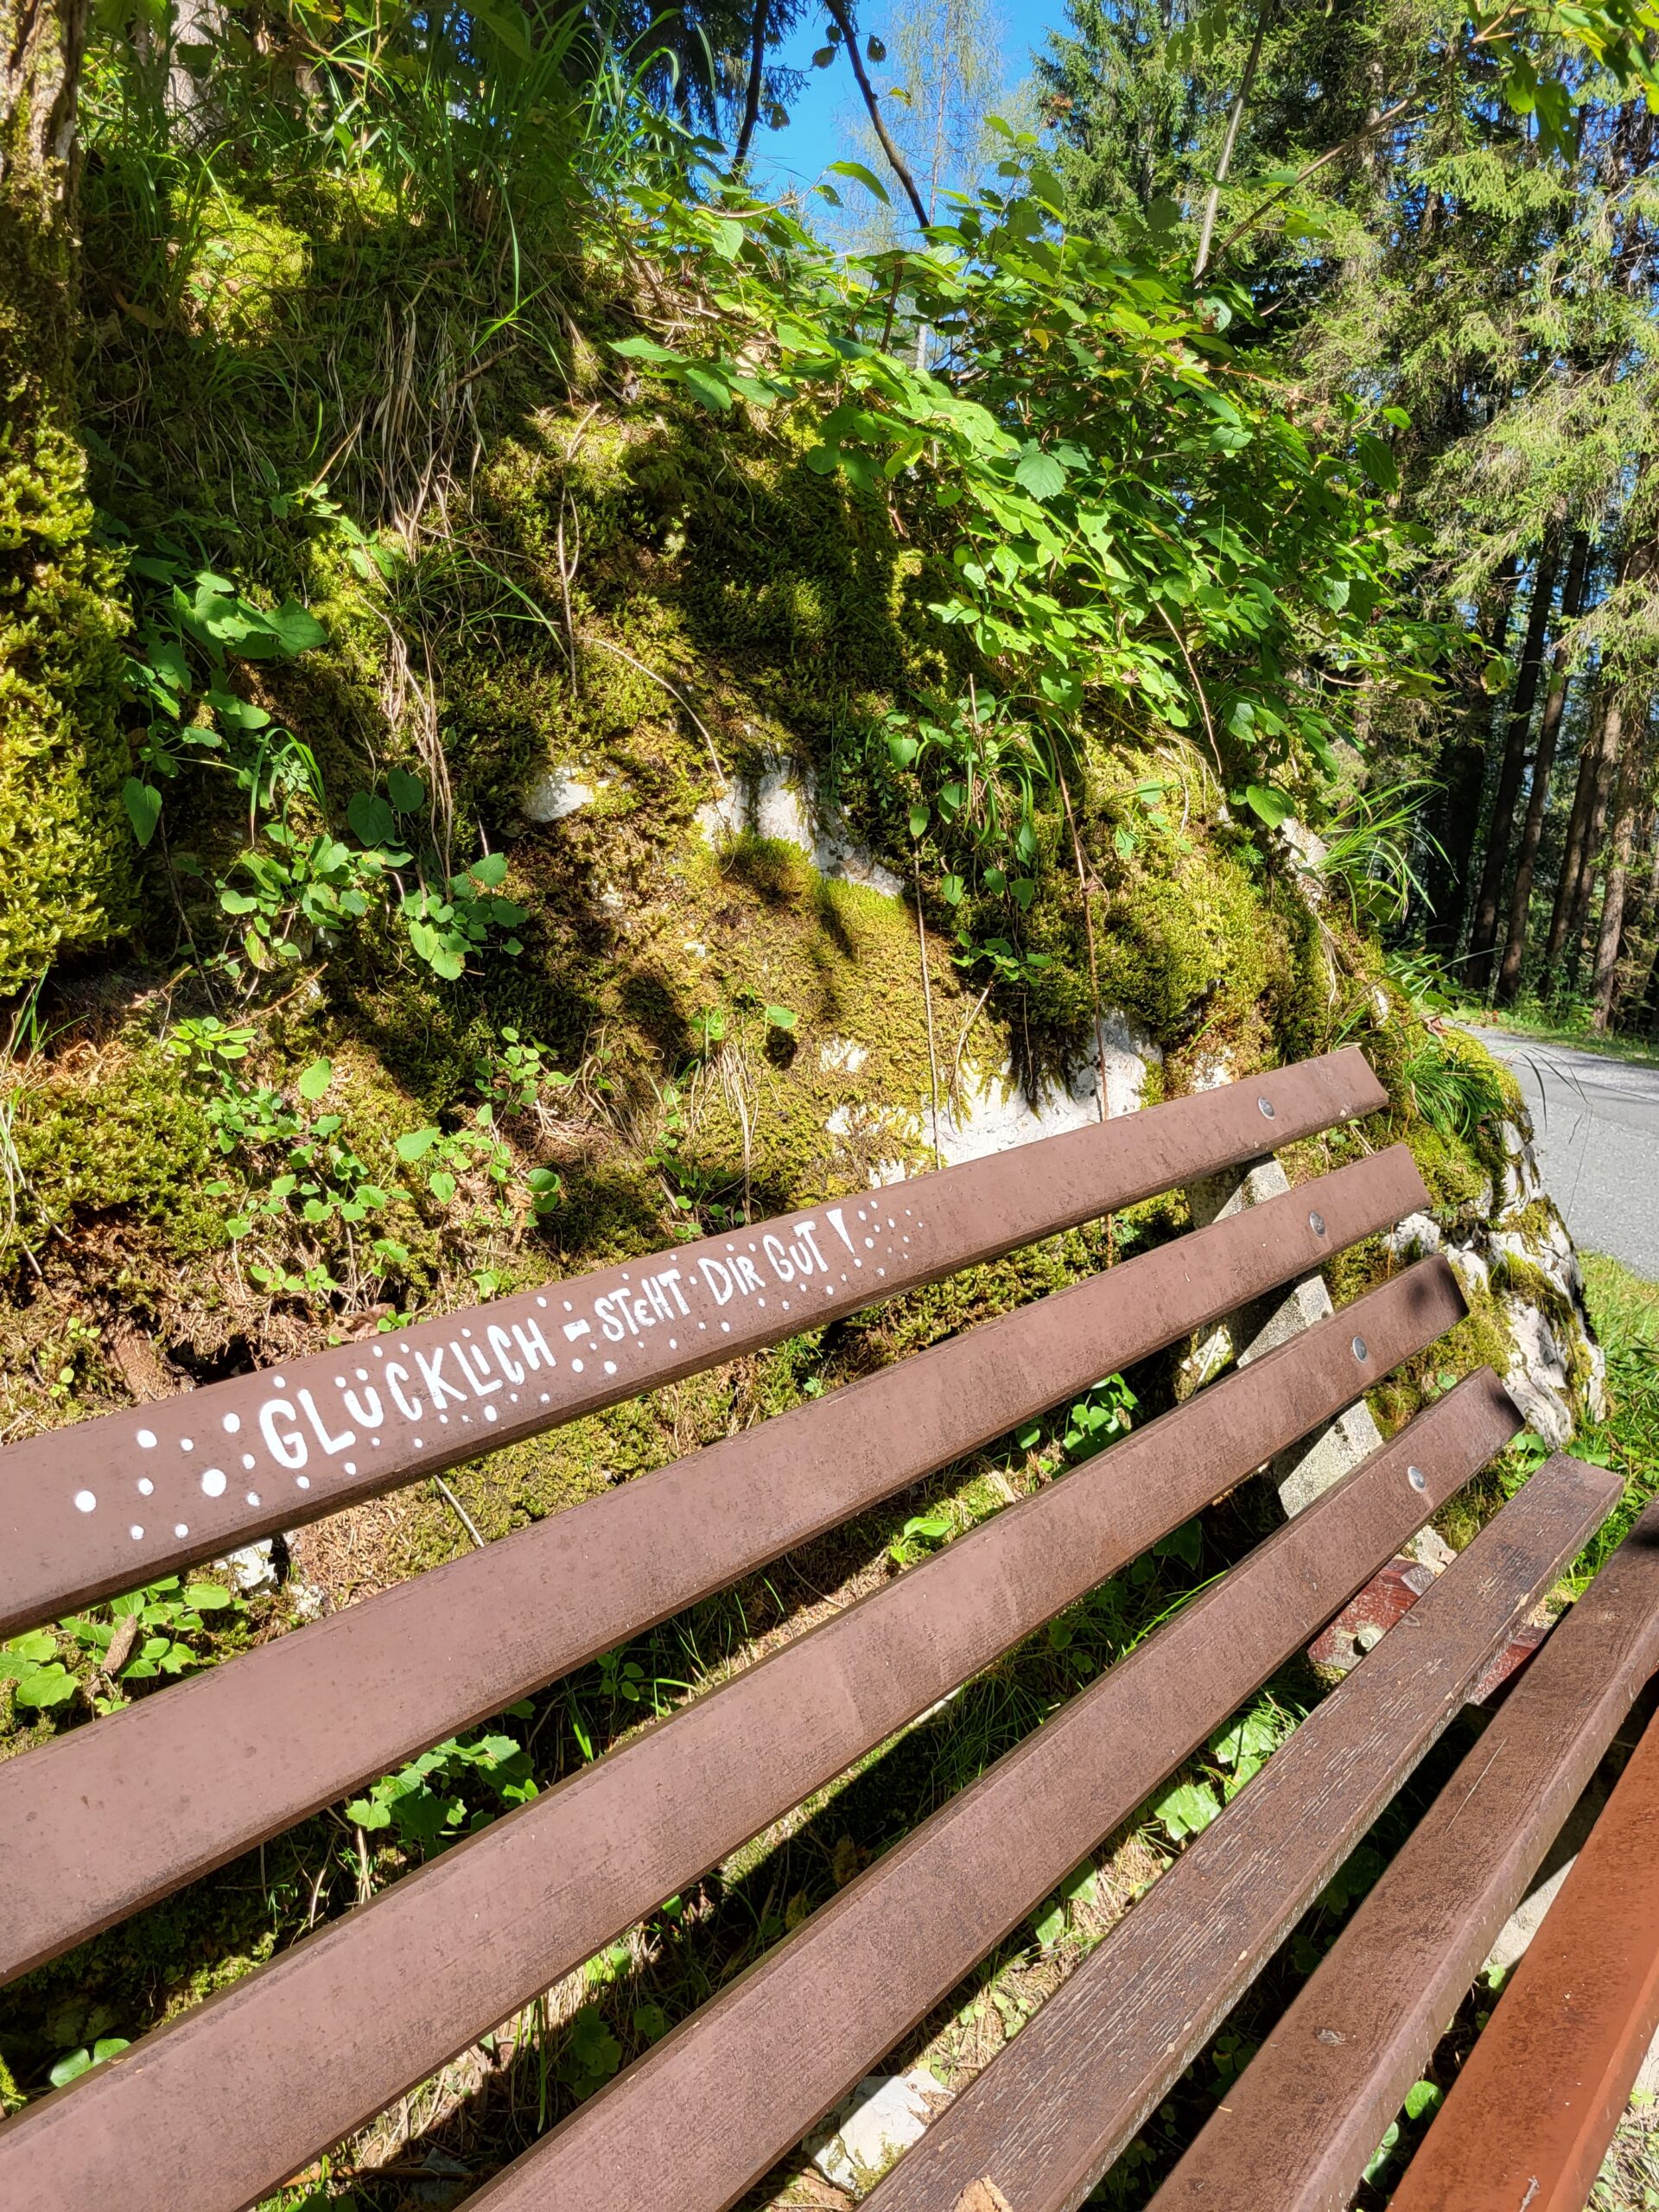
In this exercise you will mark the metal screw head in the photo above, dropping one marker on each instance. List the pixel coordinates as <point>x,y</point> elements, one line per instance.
<point>1417,1479</point>
<point>1360,1352</point>
<point>1316,1223</point>
<point>1267,1108</point>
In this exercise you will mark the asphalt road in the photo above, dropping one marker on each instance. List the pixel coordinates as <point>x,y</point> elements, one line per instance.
<point>1596,1122</point>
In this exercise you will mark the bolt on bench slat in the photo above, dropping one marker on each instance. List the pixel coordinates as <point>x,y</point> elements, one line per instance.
<point>332,2031</point>
<point>113,1504</point>
<point>1053,2110</point>
<point>702,2116</point>
<point>1530,2115</point>
<point>110,1817</point>
<point>1312,2107</point>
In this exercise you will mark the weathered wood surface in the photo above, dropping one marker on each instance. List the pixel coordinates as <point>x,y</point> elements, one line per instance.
<point>1313,2104</point>
<point>705,2115</point>
<point>109,1817</point>
<point>1530,2117</point>
<point>339,2025</point>
<point>109,1504</point>
<point>1054,2109</point>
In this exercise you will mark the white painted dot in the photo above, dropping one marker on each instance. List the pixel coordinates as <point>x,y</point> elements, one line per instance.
<point>467,1420</point>
<point>137,1533</point>
<point>185,1444</point>
<point>248,1459</point>
<point>512,1397</point>
<point>702,1324</point>
<point>545,1400</point>
<point>379,1351</point>
<point>339,1382</point>
<point>673,1343</point>
<point>592,1346</point>
<point>181,1529</point>
<point>444,1418</point>
<point>417,1443</point>
<point>610,1367</point>
<point>85,1502</point>
<point>869,1243</point>
<point>278,1382</point>
<point>253,1498</point>
<point>145,1486</point>
<point>575,1367</point>
<point>489,1413</point>
<point>146,1440</point>
<point>212,1482</point>
<point>726,1327</point>
<point>466,1332</point>
<point>231,1423</point>
<point>786,1306</point>
<point>541,1301</point>
<point>302,1482</point>
<point>351,1467</point>
<point>567,1308</point>
<point>376,1442</point>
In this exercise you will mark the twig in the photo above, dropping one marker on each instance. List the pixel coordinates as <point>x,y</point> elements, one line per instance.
<point>1203,704</point>
<point>838,15</point>
<point>1226,161</point>
<point>1301,177</point>
<point>458,1509</point>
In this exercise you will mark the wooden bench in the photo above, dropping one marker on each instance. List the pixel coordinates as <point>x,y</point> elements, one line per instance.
<point>215,2109</point>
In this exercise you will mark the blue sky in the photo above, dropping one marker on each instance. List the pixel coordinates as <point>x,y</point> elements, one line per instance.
<point>820,124</point>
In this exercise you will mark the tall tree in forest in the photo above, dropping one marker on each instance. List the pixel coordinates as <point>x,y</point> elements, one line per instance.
<point>65,846</point>
<point>1483,932</point>
<point>1543,766</point>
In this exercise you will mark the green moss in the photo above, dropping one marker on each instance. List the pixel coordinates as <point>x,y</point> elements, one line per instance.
<point>130,1142</point>
<point>65,848</point>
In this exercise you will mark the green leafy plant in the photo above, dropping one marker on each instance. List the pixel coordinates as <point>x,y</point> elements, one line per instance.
<point>922,1533</point>
<point>433,1800</point>
<point>447,927</point>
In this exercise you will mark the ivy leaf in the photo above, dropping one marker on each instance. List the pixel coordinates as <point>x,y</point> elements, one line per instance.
<point>144,804</point>
<point>294,630</point>
<point>315,1080</point>
<point>371,818</point>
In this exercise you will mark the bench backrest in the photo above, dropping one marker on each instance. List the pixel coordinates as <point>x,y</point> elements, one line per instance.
<point>109,1816</point>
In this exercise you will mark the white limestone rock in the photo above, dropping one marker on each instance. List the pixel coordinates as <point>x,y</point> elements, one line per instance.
<point>556,793</point>
<point>785,802</point>
<point>884,2115</point>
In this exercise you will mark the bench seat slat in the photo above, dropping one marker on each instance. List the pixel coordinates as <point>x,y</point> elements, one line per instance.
<point>337,2027</point>
<point>1312,2107</point>
<point>1053,2110</point>
<point>110,1504</point>
<point>109,1817</point>
<point>1532,2109</point>
<point>702,2116</point>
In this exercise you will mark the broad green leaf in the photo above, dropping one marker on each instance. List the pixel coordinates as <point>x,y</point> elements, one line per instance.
<point>1377,461</point>
<point>408,792</point>
<point>1187,1809</point>
<point>207,1597</point>
<point>1421,2097</point>
<point>713,390</point>
<point>296,631</point>
<point>781,1017</point>
<point>315,1080</point>
<point>1270,805</point>
<point>144,804</point>
<point>371,818</point>
<point>645,349</point>
<point>1040,474</point>
<point>860,175</point>
<point>490,870</point>
<point>1050,1928</point>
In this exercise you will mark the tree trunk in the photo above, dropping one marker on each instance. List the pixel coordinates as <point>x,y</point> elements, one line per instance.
<point>1629,741</point>
<point>752,89</point>
<point>1457,815</point>
<point>1583,890</point>
<point>1532,830</point>
<point>1578,833</point>
<point>1483,934</point>
<point>64,851</point>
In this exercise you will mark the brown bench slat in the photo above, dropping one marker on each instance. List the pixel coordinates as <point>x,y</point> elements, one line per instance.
<point>338,2026</point>
<point>702,2117</point>
<point>1053,2110</point>
<point>109,1817</point>
<point>1313,2104</point>
<point>1530,2117</point>
<point>109,1504</point>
